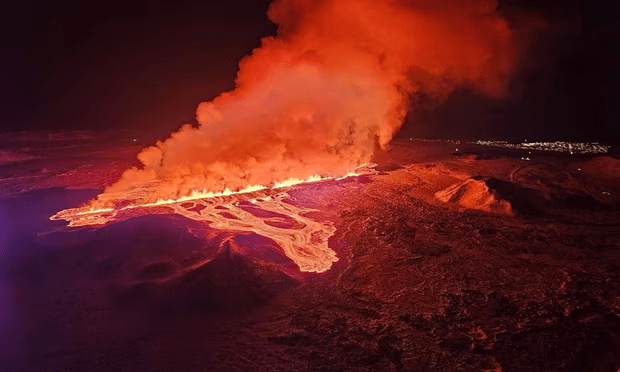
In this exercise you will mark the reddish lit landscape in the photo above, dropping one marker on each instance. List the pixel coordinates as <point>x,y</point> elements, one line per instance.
<point>297,222</point>
<point>391,279</point>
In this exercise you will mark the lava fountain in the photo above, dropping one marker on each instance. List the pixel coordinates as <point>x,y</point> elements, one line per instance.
<point>317,99</point>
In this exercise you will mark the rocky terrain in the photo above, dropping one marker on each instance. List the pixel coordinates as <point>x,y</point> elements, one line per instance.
<point>448,260</point>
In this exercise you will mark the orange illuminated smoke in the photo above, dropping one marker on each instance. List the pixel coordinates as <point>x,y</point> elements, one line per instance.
<point>322,95</point>
<point>319,97</point>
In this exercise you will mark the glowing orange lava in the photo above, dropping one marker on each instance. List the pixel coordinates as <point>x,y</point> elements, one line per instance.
<point>257,208</point>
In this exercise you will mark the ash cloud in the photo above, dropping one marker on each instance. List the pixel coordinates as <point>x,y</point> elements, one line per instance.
<point>330,88</point>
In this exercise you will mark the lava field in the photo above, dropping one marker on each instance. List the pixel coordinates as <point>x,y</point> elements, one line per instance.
<point>516,270</point>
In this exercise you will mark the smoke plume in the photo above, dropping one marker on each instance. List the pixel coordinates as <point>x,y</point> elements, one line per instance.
<point>326,92</point>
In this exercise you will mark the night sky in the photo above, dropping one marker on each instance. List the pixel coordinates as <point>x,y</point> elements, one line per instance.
<point>147,65</point>
<point>125,64</point>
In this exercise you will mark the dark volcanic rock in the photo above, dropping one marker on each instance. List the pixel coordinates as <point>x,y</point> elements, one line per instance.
<point>240,277</point>
<point>417,286</point>
<point>155,271</point>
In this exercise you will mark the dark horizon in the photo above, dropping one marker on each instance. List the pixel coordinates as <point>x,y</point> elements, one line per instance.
<point>146,67</point>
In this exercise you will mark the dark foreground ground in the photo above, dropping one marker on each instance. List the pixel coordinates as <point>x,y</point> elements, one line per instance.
<point>419,286</point>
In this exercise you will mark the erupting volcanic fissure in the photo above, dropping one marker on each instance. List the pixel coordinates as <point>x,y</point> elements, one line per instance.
<point>258,209</point>
<point>317,99</point>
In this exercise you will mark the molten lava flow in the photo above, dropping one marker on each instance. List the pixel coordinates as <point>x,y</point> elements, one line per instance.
<point>84,216</point>
<point>303,240</point>
<point>256,209</point>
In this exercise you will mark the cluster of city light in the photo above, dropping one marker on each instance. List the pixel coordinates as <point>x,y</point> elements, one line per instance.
<point>559,146</point>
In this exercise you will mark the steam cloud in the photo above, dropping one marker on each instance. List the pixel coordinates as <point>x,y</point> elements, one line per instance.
<point>323,94</point>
